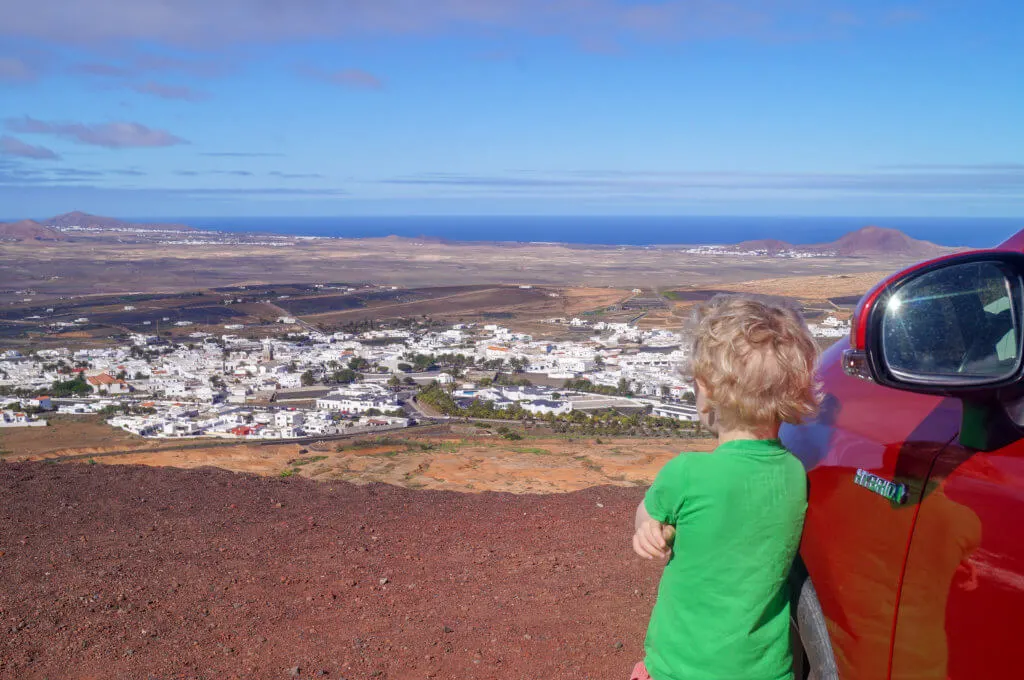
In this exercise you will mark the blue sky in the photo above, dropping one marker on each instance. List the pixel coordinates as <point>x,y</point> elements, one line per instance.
<point>391,107</point>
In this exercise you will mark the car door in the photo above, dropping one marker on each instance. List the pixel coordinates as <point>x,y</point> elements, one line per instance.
<point>961,614</point>
<point>855,540</point>
<point>955,327</point>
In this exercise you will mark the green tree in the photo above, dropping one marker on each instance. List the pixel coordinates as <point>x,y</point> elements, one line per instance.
<point>623,388</point>
<point>344,376</point>
<point>308,379</point>
<point>358,364</point>
<point>76,387</point>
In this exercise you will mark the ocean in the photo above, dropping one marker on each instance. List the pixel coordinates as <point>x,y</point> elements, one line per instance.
<point>637,231</point>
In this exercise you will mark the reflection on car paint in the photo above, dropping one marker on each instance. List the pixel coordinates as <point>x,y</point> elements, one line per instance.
<point>855,543</point>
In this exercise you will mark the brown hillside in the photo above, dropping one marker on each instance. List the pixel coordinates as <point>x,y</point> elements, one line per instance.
<point>873,240</point>
<point>865,242</point>
<point>27,230</point>
<point>81,219</point>
<point>137,572</point>
<point>772,245</point>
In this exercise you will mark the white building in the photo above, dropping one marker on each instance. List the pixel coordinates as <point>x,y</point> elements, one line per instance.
<point>685,412</point>
<point>104,383</point>
<point>356,403</point>
<point>545,406</point>
<point>288,419</point>
<point>10,418</point>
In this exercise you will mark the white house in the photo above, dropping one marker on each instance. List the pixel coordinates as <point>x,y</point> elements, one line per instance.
<point>685,412</point>
<point>19,419</point>
<point>41,403</point>
<point>356,403</point>
<point>288,419</point>
<point>545,406</point>
<point>104,383</point>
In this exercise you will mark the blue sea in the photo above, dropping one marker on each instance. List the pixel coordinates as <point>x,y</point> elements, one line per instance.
<point>638,231</point>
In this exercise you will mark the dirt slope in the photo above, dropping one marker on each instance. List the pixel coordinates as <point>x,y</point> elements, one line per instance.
<point>138,572</point>
<point>27,230</point>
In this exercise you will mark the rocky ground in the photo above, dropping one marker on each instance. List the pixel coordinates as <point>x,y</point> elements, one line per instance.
<point>143,572</point>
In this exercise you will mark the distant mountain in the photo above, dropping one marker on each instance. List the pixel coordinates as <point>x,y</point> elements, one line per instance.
<point>27,230</point>
<point>81,219</point>
<point>873,240</point>
<point>865,242</point>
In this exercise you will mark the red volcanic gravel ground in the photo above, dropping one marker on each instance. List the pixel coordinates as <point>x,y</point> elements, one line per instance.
<point>139,572</point>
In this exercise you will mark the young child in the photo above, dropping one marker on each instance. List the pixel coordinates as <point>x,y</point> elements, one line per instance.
<point>729,521</point>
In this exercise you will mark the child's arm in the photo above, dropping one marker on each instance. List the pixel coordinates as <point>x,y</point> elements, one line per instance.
<point>651,537</point>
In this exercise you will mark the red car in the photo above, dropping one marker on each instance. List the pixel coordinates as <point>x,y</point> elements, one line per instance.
<point>912,559</point>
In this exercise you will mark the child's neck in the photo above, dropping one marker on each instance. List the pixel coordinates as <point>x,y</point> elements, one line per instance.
<point>762,432</point>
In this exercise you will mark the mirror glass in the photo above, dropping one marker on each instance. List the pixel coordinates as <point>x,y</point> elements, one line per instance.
<point>958,324</point>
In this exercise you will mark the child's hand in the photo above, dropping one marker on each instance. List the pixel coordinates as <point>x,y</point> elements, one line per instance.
<point>651,540</point>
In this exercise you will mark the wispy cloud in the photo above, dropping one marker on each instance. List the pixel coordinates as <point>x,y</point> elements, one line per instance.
<point>117,135</point>
<point>262,191</point>
<point>242,154</point>
<point>31,176</point>
<point>201,22</point>
<point>958,167</point>
<point>179,92</point>
<point>248,173</point>
<point>15,69</point>
<point>80,194</point>
<point>295,175</point>
<point>12,146</point>
<point>102,70</point>
<point>199,67</point>
<point>980,180</point>
<point>354,78</point>
<point>143,64</point>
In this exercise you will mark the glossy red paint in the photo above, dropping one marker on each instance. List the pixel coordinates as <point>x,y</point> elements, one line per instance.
<point>960,615</point>
<point>855,541</point>
<point>932,588</point>
<point>1015,242</point>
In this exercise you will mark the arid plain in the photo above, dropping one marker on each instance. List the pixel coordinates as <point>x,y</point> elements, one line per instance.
<point>191,274</point>
<point>445,550</point>
<point>109,263</point>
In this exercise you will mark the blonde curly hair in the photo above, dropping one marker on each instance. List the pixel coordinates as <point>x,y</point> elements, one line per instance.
<point>755,362</point>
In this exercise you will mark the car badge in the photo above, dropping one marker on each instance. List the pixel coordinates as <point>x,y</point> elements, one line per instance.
<point>894,491</point>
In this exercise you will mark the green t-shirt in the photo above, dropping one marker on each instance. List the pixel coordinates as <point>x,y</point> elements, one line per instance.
<point>723,604</point>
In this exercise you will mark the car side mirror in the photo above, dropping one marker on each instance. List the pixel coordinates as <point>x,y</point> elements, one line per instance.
<point>951,327</point>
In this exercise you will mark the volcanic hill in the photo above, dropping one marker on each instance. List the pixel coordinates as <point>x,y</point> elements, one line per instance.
<point>872,240</point>
<point>865,242</point>
<point>81,219</point>
<point>28,230</point>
